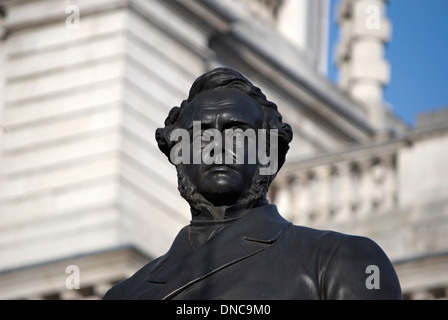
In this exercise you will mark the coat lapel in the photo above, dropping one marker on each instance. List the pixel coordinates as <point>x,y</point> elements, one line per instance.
<point>182,267</point>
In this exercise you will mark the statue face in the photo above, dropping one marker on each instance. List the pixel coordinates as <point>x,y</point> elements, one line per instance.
<point>222,184</point>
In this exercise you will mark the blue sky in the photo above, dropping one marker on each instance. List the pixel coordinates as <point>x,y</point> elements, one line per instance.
<point>417,53</point>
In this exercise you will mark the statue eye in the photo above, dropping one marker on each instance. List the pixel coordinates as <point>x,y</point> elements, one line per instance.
<point>238,138</point>
<point>207,136</point>
<point>204,138</point>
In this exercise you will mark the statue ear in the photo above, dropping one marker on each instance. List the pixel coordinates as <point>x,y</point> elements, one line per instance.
<point>162,142</point>
<point>285,138</point>
<point>287,132</point>
<point>162,134</point>
<point>173,115</point>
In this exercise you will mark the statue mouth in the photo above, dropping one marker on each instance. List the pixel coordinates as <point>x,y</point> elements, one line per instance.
<point>224,168</point>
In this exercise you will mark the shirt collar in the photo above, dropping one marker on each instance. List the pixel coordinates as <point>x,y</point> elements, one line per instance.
<point>216,215</point>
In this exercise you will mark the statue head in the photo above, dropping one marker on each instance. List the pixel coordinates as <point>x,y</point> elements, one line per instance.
<point>222,122</point>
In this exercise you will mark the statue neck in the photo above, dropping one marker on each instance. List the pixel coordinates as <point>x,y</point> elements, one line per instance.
<point>211,214</point>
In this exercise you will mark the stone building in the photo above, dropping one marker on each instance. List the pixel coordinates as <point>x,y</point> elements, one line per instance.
<point>86,198</point>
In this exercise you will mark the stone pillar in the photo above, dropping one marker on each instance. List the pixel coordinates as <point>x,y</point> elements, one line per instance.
<point>323,197</point>
<point>384,183</point>
<point>302,200</point>
<point>283,199</point>
<point>390,182</point>
<point>343,201</point>
<point>365,192</point>
<point>377,193</point>
<point>298,193</point>
<point>355,182</point>
<point>360,55</point>
<point>310,194</point>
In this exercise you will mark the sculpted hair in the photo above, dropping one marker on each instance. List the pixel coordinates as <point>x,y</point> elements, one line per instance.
<point>225,78</point>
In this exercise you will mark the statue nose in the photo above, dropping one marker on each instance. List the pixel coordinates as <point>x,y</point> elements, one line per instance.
<point>218,156</point>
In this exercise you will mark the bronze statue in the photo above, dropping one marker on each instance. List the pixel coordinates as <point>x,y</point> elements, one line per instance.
<point>237,245</point>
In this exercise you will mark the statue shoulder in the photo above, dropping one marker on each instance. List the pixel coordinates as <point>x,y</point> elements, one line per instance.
<point>123,290</point>
<point>356,267</point>
<point>347,266</point>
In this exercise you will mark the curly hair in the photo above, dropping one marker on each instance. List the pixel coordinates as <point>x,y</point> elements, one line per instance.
<point>225,78</point>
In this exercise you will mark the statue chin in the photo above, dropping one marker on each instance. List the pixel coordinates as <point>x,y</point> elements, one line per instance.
<point>222,190</point>
<point>221,199</point>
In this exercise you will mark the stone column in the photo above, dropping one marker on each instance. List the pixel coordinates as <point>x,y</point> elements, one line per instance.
<point>390,182</point>
<point>323,197</point>
<point>365,192</point>
<point>283,199</point>
<point>377,193</point>
<point>343,201</point>
<point>298,199</point>
<point>309,203</point>
<point>353,194</point>
<point>360,55</point>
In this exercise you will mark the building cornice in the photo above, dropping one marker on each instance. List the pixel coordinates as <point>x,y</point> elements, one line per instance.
<point>365,151</point>
<point>348,154</point>
<point>219,20</point>
<point>12,23</point>
<point>258,45</point>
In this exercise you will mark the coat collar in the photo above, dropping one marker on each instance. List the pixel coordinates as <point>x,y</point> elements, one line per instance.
<point>182,267</point>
